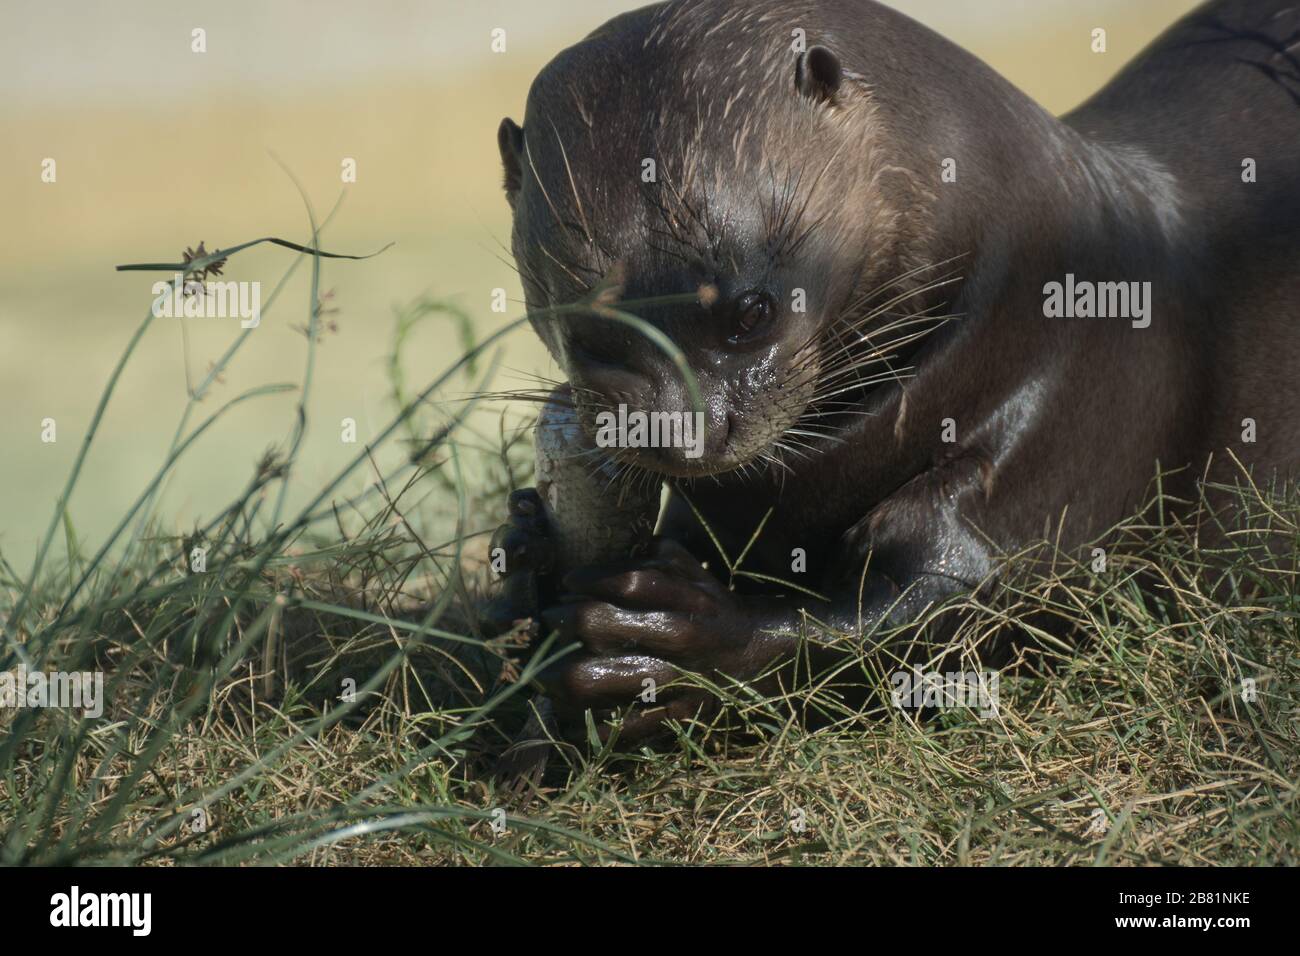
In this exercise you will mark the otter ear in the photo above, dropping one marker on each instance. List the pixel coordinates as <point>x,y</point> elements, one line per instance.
<point>510,141</point>
<point>817,74</point>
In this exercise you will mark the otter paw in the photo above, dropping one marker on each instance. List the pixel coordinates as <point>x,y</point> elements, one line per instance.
<point>632,696</point>
<point>522,543</point>
<point>520,554</point>
<point>666,606</point>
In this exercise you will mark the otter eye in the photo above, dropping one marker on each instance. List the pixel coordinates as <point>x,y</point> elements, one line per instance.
<point>752,310</point>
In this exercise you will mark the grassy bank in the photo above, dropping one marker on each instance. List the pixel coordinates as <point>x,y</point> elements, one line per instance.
<point>317,693</point>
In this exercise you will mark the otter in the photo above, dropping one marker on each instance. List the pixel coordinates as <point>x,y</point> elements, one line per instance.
<point>926,319</point>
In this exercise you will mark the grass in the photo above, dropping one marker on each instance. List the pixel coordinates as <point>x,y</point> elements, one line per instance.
<point>319,695</point>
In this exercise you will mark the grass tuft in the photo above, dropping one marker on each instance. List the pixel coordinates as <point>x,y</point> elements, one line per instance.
<point>319,694</point>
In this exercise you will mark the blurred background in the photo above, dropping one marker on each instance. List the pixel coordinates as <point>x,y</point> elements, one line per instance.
<point>158,148</point>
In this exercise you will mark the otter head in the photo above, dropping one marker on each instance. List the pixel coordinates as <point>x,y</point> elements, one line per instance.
<point>724,194</point>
